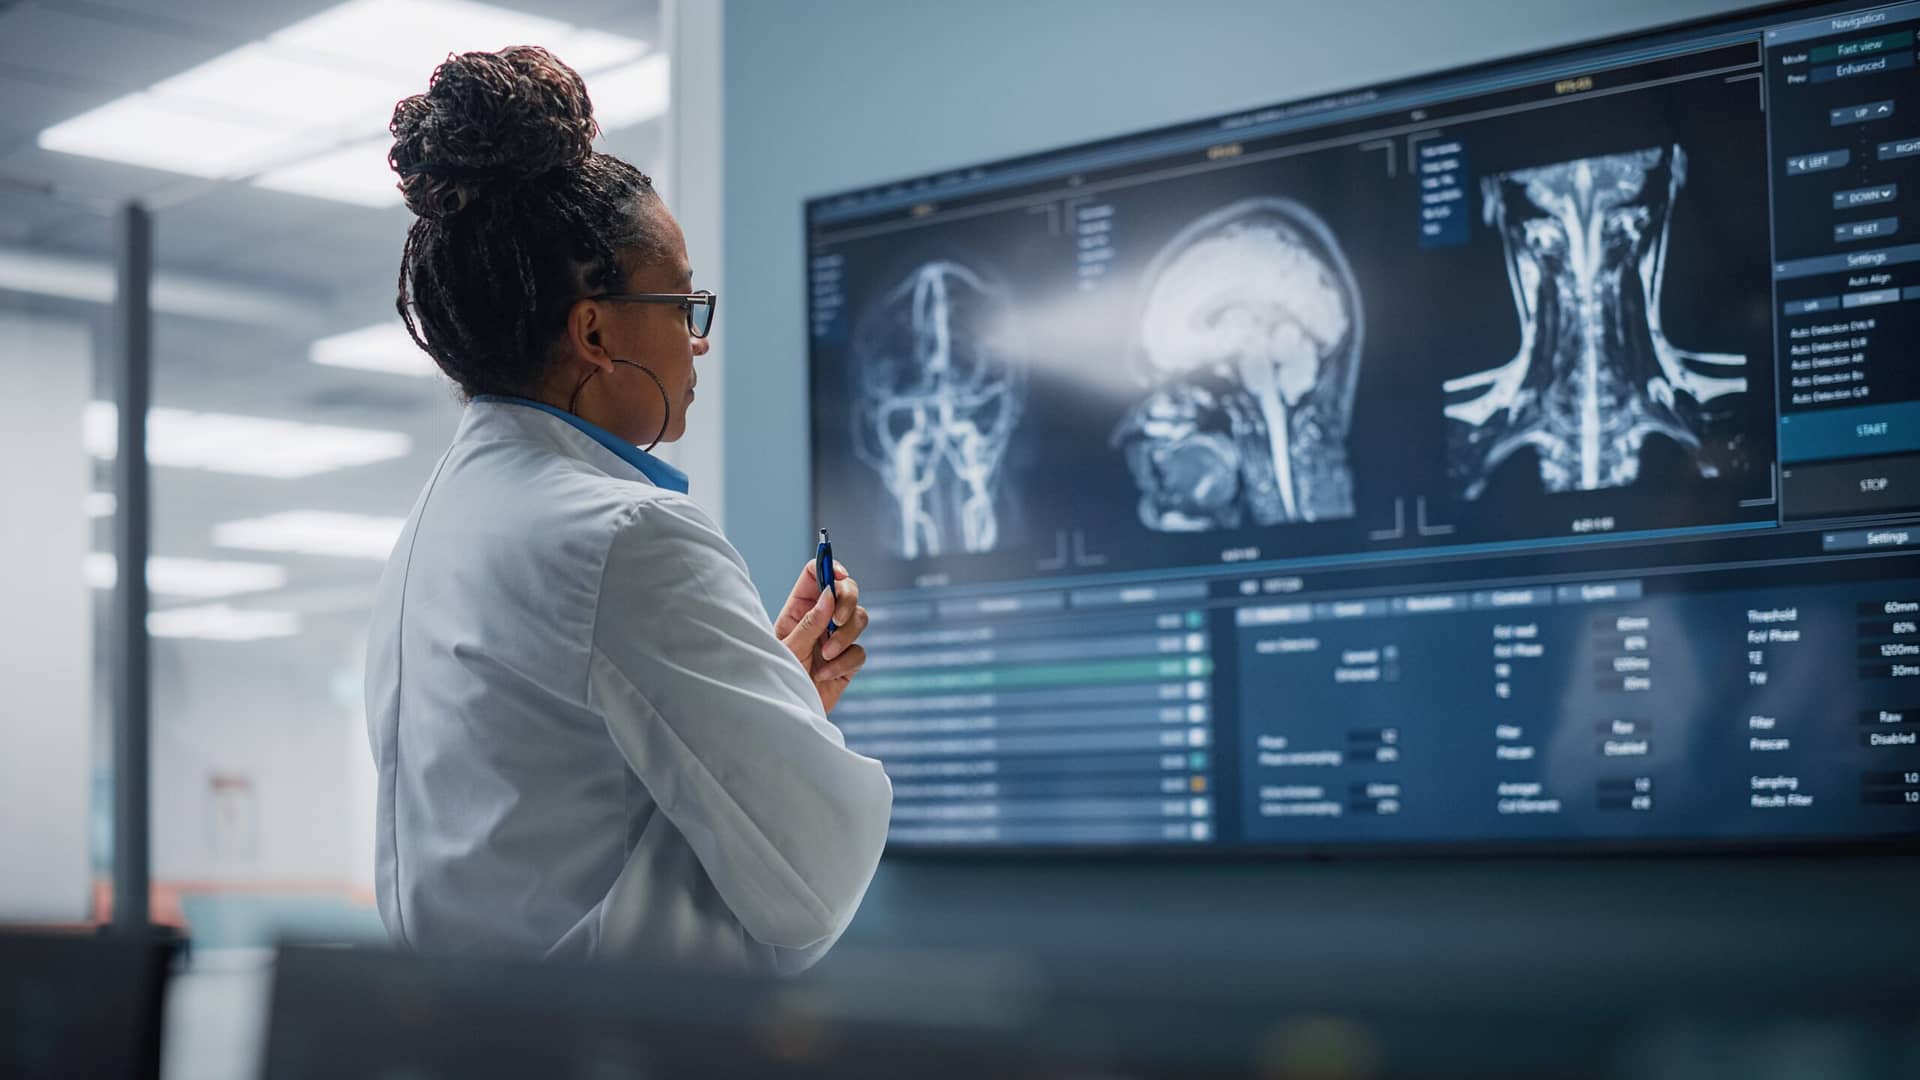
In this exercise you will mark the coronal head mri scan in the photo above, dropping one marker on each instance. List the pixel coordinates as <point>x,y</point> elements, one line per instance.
<point>940,390</point>
<point>1594,376</point>
<point>1249,340</point>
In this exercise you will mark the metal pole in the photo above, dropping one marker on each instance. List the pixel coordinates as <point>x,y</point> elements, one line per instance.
<point>132,717</point>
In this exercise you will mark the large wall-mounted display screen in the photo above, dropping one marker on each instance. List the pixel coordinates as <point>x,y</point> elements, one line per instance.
<point>1522,456</point>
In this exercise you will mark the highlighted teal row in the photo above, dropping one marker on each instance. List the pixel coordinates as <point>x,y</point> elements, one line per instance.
<point>1026,676</point>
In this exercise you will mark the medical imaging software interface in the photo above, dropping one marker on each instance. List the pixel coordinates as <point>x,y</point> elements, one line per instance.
<point>1522,456</point>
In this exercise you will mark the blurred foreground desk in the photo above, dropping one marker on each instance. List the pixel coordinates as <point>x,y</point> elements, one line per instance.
<point>81,1004</point>
<point>340,1012</point>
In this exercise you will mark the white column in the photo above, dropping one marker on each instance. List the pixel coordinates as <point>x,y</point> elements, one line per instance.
<point>46,631</point>
<point>693,192</point>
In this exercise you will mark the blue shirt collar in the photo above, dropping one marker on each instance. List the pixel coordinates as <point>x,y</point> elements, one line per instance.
<point>661,473</point>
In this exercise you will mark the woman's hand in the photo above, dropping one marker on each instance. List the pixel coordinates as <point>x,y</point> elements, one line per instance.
<point>833,659</point>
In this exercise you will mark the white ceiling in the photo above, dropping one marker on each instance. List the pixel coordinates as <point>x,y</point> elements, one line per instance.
<point>59,58</point>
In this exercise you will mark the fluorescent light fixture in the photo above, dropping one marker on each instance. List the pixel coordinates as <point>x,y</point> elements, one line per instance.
<point>100,504</point>
<point>409,37</point>
<point>219,622</point>
<point>302,111</point>
<point>632,94</point>
<point>356,173</point>
<point>201,578</point>
<point>244,445</point>
<point>42,274</point>
<point>314,532</point>
<point>280,89</point>
<point>143,130</point>
<point>381,347</point>
<point>591,51</point>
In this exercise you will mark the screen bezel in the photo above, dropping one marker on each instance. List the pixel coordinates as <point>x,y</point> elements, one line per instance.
<point>1754,18</point>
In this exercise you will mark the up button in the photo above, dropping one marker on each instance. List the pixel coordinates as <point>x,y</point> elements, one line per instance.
<point>1860,114</point>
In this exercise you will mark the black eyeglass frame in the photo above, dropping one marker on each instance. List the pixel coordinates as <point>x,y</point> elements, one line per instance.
<point>687,302</point>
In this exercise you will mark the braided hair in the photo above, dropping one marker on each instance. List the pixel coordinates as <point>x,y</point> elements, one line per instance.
<point>517,215</point>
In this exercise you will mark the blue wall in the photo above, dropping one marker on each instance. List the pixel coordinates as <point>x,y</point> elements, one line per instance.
<point>834,94</point>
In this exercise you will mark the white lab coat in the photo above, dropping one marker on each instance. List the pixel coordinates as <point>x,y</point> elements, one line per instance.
<point>590,742</point>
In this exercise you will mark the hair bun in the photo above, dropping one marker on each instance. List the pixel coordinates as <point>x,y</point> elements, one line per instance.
<point>488,121</point>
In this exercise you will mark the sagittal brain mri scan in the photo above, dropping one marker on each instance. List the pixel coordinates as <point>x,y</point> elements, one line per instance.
<point>1249,339</point>
<point>1594,376</point>
<point>940,392</point>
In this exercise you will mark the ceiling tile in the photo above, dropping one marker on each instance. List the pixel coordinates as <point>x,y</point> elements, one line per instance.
<point>35,102</point>
<point>101,46</point>
<point>235,20</point>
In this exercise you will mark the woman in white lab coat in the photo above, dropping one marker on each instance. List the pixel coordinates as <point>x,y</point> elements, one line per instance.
<point>590,742</point>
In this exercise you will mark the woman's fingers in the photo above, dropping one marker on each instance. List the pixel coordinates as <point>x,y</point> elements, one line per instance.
<point>848,632</point>
<point>806,590</point>
<point>846,600</point>
<point>803,637</point>
<point>851,660</point>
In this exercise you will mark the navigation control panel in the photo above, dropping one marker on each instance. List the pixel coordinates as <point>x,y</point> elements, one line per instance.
<point>1845,157</point>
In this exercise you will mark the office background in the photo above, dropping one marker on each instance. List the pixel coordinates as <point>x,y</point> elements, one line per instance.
<point>262,789</point>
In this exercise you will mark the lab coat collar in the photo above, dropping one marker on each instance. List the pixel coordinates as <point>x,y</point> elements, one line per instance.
<point>659,472</point>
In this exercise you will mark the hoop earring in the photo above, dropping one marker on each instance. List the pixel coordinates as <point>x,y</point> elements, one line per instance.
<point>665,401</point>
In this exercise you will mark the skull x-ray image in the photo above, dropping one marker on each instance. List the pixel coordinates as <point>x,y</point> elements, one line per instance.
<point>1249,344</point>
<point>940,390</point>
<point>1586,253</point>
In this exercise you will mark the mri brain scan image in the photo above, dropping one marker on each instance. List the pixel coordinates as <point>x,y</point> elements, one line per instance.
<point>940,391</point>
<point>1248,346</point>
<point>1594,376</point>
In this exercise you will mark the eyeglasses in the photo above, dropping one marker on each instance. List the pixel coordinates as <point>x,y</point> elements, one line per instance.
<point>699,306</point>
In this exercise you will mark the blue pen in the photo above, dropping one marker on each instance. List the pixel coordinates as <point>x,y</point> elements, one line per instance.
<point>823,567</point>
